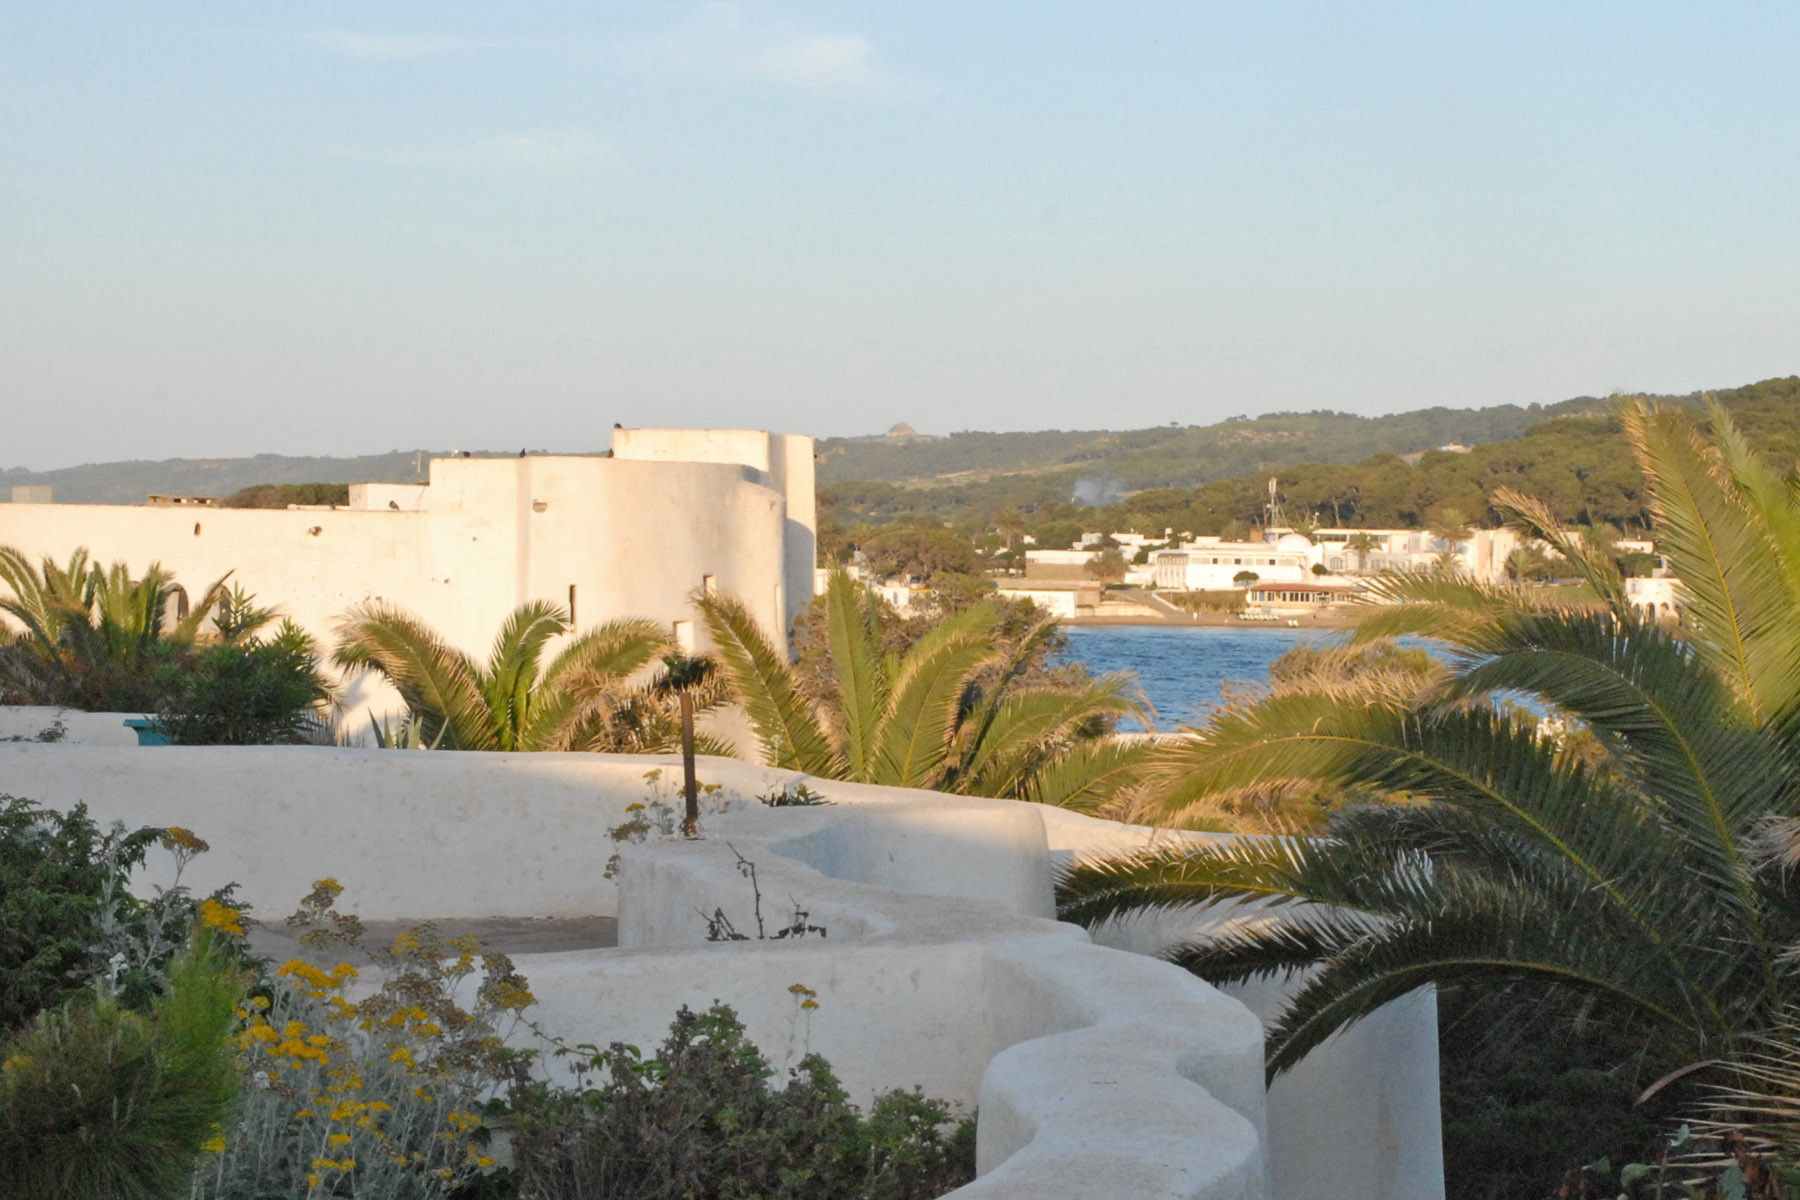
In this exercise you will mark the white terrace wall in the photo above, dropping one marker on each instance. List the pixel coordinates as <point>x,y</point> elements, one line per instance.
<point>624,536</point>
<point>1366,1101</point>
<point>1096,1072</point>
<point>65,726</point>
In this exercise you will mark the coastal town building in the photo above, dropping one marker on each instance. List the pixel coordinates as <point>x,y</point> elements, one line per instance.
<point>1215,564</point>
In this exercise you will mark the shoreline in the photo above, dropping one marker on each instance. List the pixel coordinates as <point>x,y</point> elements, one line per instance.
<point>1330,621</point>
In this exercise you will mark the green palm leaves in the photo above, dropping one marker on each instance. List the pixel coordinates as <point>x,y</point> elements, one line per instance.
<point>513,701</point>
<point>1730,527</point>
<point>93,637</point>
<point>955,712</point>
<point>1599,844</point>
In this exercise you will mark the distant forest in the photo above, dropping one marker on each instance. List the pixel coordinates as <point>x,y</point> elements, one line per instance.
<point>1174,455</point>
<point>1331,469</point>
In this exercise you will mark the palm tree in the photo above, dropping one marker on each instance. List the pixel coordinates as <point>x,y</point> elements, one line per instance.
<point>1011,525</point>
<point>94,637</point>
<point>682,676</point>
<point>1361,544</point>
<point>954,713</point>
<point>1449,526</point>
<point>1622,864</point>
<point>580,701</point>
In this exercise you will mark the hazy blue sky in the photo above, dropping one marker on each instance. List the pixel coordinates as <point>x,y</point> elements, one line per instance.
<point>334,228</point>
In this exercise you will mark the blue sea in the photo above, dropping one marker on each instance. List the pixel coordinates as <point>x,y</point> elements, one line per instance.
<point>1181,669</point>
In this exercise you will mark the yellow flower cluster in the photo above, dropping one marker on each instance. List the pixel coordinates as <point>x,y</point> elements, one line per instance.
<point>319,984</point>
<point>320,1068</point>
<point>388,1080</point>
<point>177,838</point>
<point>223,918</point>
<point>511,995</point>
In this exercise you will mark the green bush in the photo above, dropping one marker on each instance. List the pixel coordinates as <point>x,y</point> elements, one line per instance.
<point>247,693</point>
<point>98,1102</point>
<point>56,872</point>
<point>280,495</point>
<point>701,1119</point>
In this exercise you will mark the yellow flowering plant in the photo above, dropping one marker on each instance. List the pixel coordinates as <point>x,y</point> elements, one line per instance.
<point>658,816</point>
<point>354,1089</point>
<point>134,940</point>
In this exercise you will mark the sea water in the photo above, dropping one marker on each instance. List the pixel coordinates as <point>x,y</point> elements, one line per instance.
<point>1182,669</point>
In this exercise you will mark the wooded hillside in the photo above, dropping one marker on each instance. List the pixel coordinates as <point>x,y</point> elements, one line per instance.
<point>1576,460</point>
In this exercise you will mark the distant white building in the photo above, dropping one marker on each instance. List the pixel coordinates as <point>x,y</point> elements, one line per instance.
<point>1061,565</point>
<point>1130,541</point>
<point>1656,598</point>
<point>1298,597</point>
<point>1212,564</point>
<point>1284,556</point>
<point>1066,601</point>
<point>1482,554</point>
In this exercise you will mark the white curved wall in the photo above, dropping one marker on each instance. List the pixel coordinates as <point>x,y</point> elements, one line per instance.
<point>1097,1073</point>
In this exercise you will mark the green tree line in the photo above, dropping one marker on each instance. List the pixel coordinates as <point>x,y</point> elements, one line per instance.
<point>1580,466</point>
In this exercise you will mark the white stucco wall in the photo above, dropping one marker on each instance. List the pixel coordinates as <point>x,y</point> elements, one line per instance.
<point>1097,1072</point>
<point>389,497</point>
<point>28,722</point>
<point>781,461</point>
<point>1053,602</point>
<point>632,537</point>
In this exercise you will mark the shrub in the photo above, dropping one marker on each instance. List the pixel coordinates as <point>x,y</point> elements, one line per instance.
<point>57,871</point>
<point>249,693</point>
<point>700,1119</point>
<point>280,495</point>
<point>98,1102</point>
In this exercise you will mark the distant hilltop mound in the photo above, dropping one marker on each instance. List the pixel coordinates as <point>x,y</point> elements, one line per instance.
<point>898,434</point>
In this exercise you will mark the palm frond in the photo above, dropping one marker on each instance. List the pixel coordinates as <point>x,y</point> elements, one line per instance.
<point>1024,728</point>
<point>854,634</point>
<point>587,680</point>
<point>786,727</point>
<point>1674,730</point>
<point>1087,775</point>
<point>200,611</point>
<point>999,682</point>
<point>1477,932</point>
<point>508,680</point>
<point>1532,518</point>
<point>439,685</point>
<point>1735,595</point>
<point>926,697</point>
<point>1200,873</point>
<point>1434,604</point>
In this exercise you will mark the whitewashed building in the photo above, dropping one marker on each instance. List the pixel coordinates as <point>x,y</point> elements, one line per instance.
<point>671,511</point>
<point>1212,564</point>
